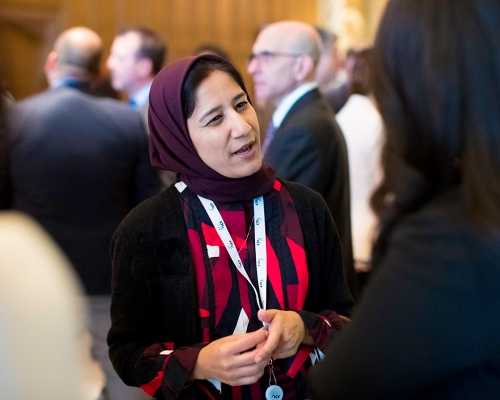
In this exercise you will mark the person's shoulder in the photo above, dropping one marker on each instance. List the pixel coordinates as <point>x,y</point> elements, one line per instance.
<point>116,115</point>
<point>109,103</point>
<point>160,209</point>
<point>297,189</point>
<point>112,106</point>
<point>440,252</point>
<point>441,235</point>
<point>311,113</point>
<point>445,213</point>
<point>312,101</point>
<point>304,196</point>
<point>34,101</point>
<point>27,112</point>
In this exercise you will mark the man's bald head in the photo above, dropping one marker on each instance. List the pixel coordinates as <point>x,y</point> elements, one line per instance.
<point>76,54</point>
<point>285,55</point>
<point>295,37</point>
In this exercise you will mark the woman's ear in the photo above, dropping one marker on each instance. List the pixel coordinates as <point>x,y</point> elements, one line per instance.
<point>304,67</point>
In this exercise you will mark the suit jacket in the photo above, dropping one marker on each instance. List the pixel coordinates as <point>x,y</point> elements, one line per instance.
<point>309,148</point>
<point>79,164</point>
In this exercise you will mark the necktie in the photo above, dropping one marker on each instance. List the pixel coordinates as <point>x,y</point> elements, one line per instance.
<point>269,137</point>
<point>133,103</point>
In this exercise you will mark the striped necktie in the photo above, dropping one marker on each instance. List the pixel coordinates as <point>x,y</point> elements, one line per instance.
<point>269,137</point>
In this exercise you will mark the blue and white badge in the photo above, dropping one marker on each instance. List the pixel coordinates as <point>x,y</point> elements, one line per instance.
<point>260,245</point>
<point>274,392</point>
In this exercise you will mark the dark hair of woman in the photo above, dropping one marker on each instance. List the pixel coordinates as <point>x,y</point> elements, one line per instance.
<point>437,84</point>
<point>200,70</point>
<point>209,48</point>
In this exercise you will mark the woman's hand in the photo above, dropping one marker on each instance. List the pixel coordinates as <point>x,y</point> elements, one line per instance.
<point>286,333</point>
<point>232,359</point>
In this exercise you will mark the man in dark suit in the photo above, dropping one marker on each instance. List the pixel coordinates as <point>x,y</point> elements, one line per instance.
<point>78,165</point>
<point>136,56</point>
<point>304,143</point>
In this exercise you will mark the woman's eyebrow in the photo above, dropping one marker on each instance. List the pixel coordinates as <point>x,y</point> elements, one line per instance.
<point>211,111</point>
<point>239,95</point>
<point>217,108</point>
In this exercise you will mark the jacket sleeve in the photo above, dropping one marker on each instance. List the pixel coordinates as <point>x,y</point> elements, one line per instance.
<point>163,367</point>
<point>321,327</point>
<point>138,351</point>
<point>328,295</point>
<point>328,290</point>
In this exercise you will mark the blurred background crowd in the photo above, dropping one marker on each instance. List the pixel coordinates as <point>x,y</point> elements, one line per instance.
<point>79,188</point>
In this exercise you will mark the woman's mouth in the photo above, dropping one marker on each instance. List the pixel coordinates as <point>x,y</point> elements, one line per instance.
<point>244,149</point>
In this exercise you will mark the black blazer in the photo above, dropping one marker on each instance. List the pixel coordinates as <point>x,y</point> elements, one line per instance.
<point>428,323</point>
<point>309,148</point>
<point>79,164</point>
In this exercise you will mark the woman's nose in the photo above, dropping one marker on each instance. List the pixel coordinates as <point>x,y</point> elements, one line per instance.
<point>239,125</point>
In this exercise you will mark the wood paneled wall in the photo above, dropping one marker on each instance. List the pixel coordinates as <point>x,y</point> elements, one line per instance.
<point>28,28</point>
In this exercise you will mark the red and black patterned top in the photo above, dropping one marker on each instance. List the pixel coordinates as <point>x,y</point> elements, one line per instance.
<point>226,298</point>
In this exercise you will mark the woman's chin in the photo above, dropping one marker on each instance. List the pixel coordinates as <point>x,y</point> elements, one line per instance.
<point>242,171</point>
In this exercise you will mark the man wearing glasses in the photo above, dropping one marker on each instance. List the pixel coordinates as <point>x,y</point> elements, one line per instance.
<point>303,143</point>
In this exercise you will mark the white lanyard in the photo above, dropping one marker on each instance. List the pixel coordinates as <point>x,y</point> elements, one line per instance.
<point>260,244</point>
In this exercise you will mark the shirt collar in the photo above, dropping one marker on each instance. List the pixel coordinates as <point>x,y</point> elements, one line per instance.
<point>141,97</point>
<point>289,100</point>
<point>65,82</point>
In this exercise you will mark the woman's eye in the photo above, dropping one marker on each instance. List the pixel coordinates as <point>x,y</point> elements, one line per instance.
<point>242,104</point>
<point>214,120</point>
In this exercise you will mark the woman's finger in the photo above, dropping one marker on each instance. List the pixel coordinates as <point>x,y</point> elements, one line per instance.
<point>241,343</point>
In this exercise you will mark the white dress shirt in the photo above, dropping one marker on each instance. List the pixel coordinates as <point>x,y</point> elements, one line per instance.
<point>362,127</point>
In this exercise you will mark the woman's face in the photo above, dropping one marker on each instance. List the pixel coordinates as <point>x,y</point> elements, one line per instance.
<point>224,127</point>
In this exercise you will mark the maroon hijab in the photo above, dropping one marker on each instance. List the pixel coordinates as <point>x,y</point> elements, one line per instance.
<point>171,148</point>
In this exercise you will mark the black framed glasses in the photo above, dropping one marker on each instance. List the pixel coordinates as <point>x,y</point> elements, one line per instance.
<point>267,56</point>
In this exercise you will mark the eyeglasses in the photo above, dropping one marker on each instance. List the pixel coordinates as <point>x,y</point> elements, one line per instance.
<point>267,56</point>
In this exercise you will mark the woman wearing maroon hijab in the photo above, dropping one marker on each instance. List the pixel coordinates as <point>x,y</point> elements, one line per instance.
<point>229,283</point>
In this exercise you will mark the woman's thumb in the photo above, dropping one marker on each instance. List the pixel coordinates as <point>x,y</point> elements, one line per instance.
<point>266,315</point>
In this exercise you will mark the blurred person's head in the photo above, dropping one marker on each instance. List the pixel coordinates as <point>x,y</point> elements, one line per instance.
<point>349,60</point>
<point>284,56</point>
<point>328,63</point>
<point>136,56</point>
<point>360,72</point>
<point>42,318</point>
<point>76,55</point>
<point>436,79</point>
<point>203,127</point>
<point>209,48</point>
